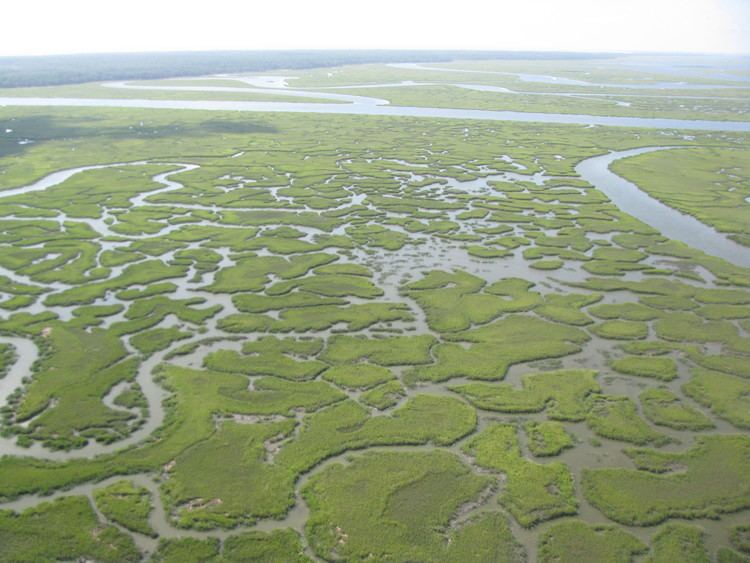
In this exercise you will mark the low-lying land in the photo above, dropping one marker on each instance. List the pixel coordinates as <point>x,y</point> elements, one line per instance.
<point>297,337</point>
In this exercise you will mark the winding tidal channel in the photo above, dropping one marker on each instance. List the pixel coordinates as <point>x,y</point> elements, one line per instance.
<point>595,170</point>
<point>626,195</point>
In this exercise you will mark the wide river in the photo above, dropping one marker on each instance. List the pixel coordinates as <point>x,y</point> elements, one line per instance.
<point>386,110</point>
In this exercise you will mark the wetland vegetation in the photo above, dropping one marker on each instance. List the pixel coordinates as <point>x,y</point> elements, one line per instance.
<point>231,336</point>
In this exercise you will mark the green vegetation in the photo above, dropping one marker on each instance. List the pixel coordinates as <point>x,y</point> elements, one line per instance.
<point>727,396</point>
<point>334,318</point>
<point>452,300</point>
<point>547,438</point>
<point>664,369</point>
<point>497,346</point>
<point>63,402</point>
<point>708,183</point>
<point>399,350</point>
<point>383,396</point>
<point>621,330</point>
<point>678,542</point>
<point>151,341</point>
<point>238,490</point>
<point>65,529</point>
<point>405,499</point>
<point>423,419</point>
<point>741,538</point>
<point>617,418</point>
<point>574,541</point>
<point>279,545</point>
<point>190,550</point>
<point>126,504</point>
<point>699,487</point>
<point>561,393</point>
<point>358,376</point>
<point>532,492</point>
<point>142,273</point>
<point>252,273</point>
<point>306,319</point>
<point>270,356</point>
<point>664,408</point>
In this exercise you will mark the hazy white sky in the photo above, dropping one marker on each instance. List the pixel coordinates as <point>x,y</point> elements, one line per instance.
<point>31,27</point>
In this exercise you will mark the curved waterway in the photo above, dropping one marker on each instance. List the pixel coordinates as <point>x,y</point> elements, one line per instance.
<point>275,91</point>
<point>563,81</point>
<point>387,110</point>
<point>626,195</point>
<point>670,222</point>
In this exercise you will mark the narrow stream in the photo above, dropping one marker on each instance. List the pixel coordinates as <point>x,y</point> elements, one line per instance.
<point>394,267</point>
<point>563,81</point>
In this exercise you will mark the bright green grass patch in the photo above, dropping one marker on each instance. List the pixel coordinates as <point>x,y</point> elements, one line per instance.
<point>547,438</point>
<point>252,273</point>
<point>304,319</point>
<point>664,369</point>
<point>532,492</point>
<point>451,300</point>
<point>727,396</point>
<point>358,376</point>
<point>669,302</point>
<point>664,408</point>
<point>384,396</point>
<point>405,500</point>
<point>701,487</point>
<point>259,547</point>
<point>621,330</point>
<point>63,530</point>
<point>723,312</point>
<point>562,393</point>
<point>390,351</point>
<point>551,264</point>
<point>689,327</point>
<point>678,542</point>
<point>497,346</point>
<point>187,550</point>
<point>348,269</point>
<point>625,312</point>
<point>708,183</point>
<point>617,418</point>
<point>126,504</point>
<point>64,399</point>
<point>618,254</point>
<point>142,273</point>
<point>251,303</point>
<point>566,309</point>
<point>575,541</point>
<point>422,419</point>
<point>377,236</point>
<point>229,478</point>
<point>198,397</point>
<point>740,538</point>
<point>270,356</point>
<point>158,339</point>
<point>329,285</point>
<point>149,291</point>
<point>146,313</point>
<point>487,252</point>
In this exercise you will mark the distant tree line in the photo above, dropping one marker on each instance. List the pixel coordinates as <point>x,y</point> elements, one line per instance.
<point>72,69</point>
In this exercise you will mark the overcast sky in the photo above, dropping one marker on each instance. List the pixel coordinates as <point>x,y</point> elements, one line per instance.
<point>31,27</point>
